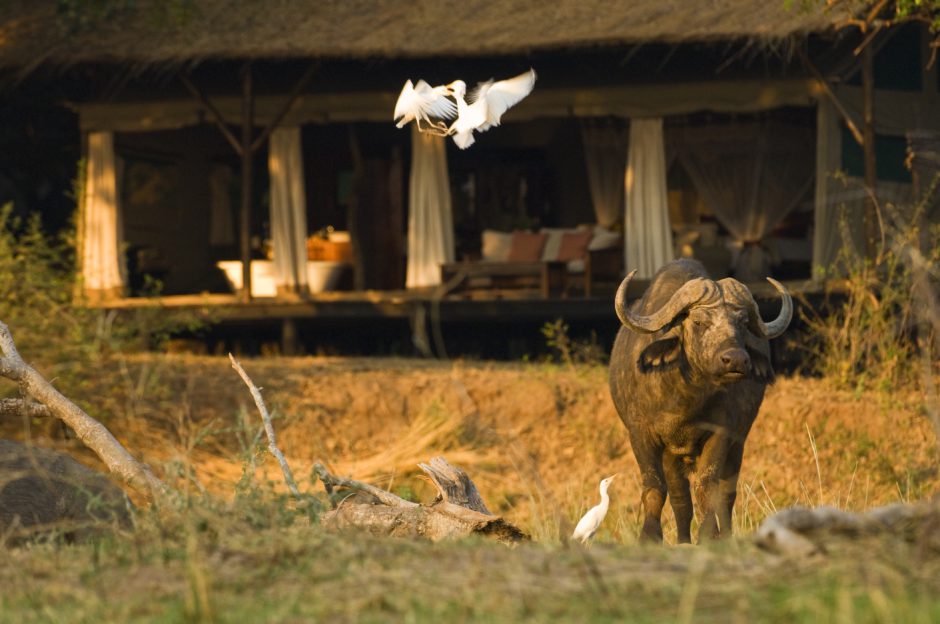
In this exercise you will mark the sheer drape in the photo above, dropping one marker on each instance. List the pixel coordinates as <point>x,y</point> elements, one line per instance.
<point>605,155</point>
<point>751,175</point>
<point>646,225</point>
<point>830,227</point>
<point>430,219</point>
<point>103,271</point>
<point>288,210</point>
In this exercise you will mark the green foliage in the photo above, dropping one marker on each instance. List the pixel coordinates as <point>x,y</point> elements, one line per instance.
<point>51,324</point>
<point>924,10</point>
<point>569,350</point>
<point>895,12</point>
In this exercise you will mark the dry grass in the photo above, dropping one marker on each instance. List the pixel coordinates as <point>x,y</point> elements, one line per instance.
<point>537,439</point>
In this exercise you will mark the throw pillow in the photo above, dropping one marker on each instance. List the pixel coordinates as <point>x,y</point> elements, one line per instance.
<point>526,246</point>
<point>496,245</point>
<point>573,245</point>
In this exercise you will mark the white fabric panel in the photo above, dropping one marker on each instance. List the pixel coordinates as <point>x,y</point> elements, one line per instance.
<point>827,232</point>
<point>496,245</point>
<point>605,154</point>
<point>647,231</point>
<point>751,174</point>
<point>102,262</point>
<point>288,209</point>
<point>430,218</point>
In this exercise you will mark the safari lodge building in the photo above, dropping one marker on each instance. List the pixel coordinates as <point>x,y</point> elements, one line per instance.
<point>243,153</point>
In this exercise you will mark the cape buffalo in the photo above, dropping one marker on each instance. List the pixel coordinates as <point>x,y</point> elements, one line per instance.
<point>688,372</point>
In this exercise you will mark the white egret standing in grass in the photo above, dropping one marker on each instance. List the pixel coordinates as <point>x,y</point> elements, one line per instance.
<point>420,103</point>
<point>483,107</point>
<point>590,522</point>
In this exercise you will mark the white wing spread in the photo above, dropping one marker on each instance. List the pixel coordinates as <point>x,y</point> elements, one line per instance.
<point>422,101</point>
<point>500,96</point>
<point>482,109</point>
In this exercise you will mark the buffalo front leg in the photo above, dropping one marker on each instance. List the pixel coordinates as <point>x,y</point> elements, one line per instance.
<point>680,496</point>
<point>728,488</point>
<point>708,497</point>
<point>650,459</point>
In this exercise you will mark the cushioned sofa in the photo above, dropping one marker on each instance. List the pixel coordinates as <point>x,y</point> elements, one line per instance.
<point>554,260</point>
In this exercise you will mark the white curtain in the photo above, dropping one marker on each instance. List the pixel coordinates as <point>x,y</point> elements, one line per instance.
<point>751,174</point>
<point>646,225</point>
<point>103,270</point>
<point>605,154</point>
<point>221,227</point>
<point>827,233</point>
<point>288,210</point>
<point>430,220</point>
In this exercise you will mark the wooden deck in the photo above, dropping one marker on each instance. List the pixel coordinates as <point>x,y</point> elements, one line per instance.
<point>484,315</point>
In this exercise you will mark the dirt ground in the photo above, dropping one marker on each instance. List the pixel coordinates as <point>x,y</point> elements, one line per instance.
<point>536,438</point>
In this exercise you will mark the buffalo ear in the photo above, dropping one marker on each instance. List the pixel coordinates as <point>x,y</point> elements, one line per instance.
<point>660,355</point>
<point>761,367</point>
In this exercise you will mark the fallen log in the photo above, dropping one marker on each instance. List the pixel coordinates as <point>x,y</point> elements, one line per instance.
<point>804,531</point>
<point>457,511</point>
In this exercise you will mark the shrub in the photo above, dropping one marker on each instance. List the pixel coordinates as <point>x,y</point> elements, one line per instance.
<point>880,321</point>
<point>41,303</point>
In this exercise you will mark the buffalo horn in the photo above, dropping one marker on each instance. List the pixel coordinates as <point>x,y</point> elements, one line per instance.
<point>692,292</point>
<point>742,295</point>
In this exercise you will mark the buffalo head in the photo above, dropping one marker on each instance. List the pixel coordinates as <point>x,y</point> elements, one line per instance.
<point>713,328</point>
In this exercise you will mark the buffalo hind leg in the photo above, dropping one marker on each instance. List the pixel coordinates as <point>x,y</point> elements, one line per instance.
<point>680,496</point>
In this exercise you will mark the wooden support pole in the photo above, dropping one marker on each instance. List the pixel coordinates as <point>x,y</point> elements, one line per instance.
<point>827,88</point>
<point>247,173</point>
<point>214,112</point>
<point>290,338</point>
<point>294,94</point>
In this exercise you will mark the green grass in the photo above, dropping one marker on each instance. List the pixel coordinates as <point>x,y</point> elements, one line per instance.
<point>208,563</point>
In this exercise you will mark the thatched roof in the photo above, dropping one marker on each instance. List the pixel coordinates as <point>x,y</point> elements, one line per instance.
<point>44,32</point>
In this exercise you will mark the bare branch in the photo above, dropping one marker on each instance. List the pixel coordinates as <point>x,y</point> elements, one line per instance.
<point>91,432</point>
<point>386,498</point>
<point>268,427</point>
<point>17,407</point>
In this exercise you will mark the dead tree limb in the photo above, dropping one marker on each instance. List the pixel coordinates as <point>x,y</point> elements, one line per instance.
<point>268,427</point>
<point>804,531</point>
<point>19,407</point>
<point>91,432</point>
<point>330,482</point>
<point>458,511</point>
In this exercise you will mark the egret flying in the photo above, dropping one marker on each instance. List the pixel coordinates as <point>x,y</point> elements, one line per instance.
<point>590,522</point>
<point>421,103</point>
<point>485,104</point>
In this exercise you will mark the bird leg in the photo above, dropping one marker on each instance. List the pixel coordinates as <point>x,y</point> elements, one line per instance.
<point>437,128</point>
